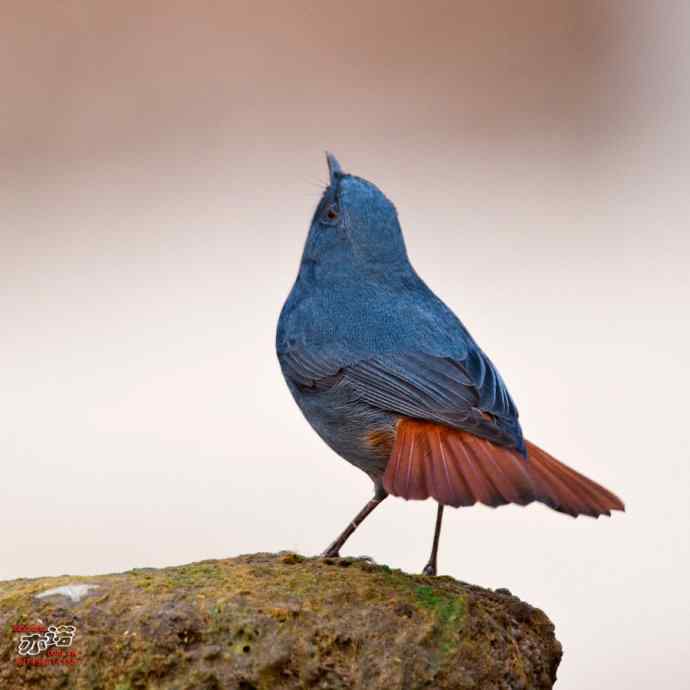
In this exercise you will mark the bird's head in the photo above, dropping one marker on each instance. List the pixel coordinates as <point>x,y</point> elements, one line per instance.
<point>355,228</point>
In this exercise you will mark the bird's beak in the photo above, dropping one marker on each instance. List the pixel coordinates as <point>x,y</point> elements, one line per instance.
<point>334,169</point>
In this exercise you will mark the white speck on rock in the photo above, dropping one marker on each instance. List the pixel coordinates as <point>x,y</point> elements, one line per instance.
<point>73,592</point>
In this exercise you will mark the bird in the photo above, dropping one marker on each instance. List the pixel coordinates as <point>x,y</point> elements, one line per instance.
<point>390,378</point>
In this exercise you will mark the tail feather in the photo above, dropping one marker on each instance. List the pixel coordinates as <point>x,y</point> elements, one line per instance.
<point>596,497</point>
<point>457,468</point>
<point>481,488</point>
<point>411,476</point>
<point>505,468</point>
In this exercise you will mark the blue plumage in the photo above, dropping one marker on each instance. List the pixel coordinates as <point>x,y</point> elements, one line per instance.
<point>393,382</point>
<point>362,340</point>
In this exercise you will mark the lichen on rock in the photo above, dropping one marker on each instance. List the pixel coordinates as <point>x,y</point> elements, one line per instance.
<point>283,621</point>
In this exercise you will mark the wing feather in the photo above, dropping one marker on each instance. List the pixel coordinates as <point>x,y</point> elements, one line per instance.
<point>465,394</point>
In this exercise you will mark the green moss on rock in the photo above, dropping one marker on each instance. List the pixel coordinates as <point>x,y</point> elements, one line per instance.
<point>284,621</point>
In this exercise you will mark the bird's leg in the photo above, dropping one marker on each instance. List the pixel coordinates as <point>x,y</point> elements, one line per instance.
<point>430,567</point>
<point>334,549</point>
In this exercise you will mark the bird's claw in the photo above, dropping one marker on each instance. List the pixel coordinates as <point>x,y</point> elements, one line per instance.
<point>429,569</point>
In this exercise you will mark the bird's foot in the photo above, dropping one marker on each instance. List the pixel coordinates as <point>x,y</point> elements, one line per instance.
<point>332,551</point>
<point>429,568</point>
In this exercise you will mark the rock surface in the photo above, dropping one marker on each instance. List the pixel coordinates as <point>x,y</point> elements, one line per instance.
<point>271,621</point>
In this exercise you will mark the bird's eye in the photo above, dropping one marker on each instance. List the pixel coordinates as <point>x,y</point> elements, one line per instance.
<point>332,213</point>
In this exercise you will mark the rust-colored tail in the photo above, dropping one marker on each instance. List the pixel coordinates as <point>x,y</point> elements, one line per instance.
<point>458,468</point>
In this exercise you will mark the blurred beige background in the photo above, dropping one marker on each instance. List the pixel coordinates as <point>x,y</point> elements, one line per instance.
<point>159,164</point>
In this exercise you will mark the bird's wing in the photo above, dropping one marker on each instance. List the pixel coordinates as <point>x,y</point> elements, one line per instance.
<point>473,459</point>
<point>467,394</point>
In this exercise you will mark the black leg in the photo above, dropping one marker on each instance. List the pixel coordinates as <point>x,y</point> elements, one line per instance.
<point>334,549</point>
<point>430,567</point>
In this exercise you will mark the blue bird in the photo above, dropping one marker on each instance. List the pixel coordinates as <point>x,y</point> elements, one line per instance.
<point>390,378</point>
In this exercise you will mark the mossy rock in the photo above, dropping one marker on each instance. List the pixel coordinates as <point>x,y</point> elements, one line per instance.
<point>267,621</point>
